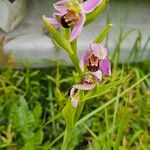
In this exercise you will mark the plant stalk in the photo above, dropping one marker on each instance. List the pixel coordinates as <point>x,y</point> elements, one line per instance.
<point>67,136</point>
<point>68,130</point>
<point>74,58</point>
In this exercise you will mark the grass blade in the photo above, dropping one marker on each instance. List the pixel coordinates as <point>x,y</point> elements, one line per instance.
<point>121,129</point>
<point>103,34</point>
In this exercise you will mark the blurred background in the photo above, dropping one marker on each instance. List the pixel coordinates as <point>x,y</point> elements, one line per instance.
<point>21,24</point>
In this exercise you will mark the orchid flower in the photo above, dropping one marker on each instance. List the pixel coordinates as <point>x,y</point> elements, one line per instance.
<point>87,84</point>
<point>94,63</point>
<point>72,14</point>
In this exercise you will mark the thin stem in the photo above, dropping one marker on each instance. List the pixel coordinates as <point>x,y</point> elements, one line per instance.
<point>69,129</point>
<point>74,58</point>
<point>75,62</point>
<point>66,33</point>
<point>115,111</point>
<point>74,46</point>
<point>116,105</point>
<point>67,136</point>
<point>80,106</point>
<point>107,129</point>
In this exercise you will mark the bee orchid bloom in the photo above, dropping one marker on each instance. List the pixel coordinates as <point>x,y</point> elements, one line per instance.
<point>74,97</point>
<point>88,84</point>
<point>74,91</point>
<point>95,61</point>
<point>72,14</point>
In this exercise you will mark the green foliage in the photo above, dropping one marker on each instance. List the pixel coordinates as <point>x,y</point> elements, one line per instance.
<point>76,138</point>
<point>69,113</point>
<point>34,142</point>
<point>27,123</point>
<point>31,116</point>
<point>103,34</point>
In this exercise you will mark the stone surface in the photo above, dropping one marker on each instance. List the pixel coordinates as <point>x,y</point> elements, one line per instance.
<point>11,13</point>
<point>28,40</point>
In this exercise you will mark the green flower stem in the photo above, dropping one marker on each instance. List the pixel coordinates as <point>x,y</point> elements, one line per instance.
<point>74,46</point>
<point>80,106</point>
<point>75,62</point>
<point>66,33</point>
<point>69,129</point>
<point>67,136</point>
<point>74,58</point>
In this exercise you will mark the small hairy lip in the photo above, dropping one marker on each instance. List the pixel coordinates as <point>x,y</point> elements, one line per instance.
<point>93,63</point>
<point>70,18</point>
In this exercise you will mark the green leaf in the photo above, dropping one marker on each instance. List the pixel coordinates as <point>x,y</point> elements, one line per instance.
<point>76,137</point>
<point>26,119</point>
<point>61,41</point>
<point>102,89</point>
<point>14,116</point>
<point>103,34</point>
<point>121,129</point>
<point>69,113</point>
<point>91,16</point>
<point>34,73</point>
<point>134,137</point>
<point>37,112</point>
<point>34,142</point>
<point>51,78</point>
<point>80,106</point>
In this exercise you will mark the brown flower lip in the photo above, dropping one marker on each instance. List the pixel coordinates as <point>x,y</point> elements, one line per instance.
<point>64,23</point>
<point>93,63</point>
<point>70,18</point>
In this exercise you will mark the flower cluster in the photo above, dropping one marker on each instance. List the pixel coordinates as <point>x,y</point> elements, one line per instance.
<point>72,14</point>
<point>93,63</point>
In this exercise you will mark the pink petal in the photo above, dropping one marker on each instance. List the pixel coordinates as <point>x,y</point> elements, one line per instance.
<point>95,49</point>
<point>105,66</point>
<point>73,96</point>
<point>61,6</point>
<point>78,26</point>
<point>97,75</point>
<point>90,5</point>
<point>81,63</point>
<point>84,59</point>
<point>53,22</point>
<point>99,50</point>
<point>84,86</point>
<point>57,16</point>
<point>74,102</point>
